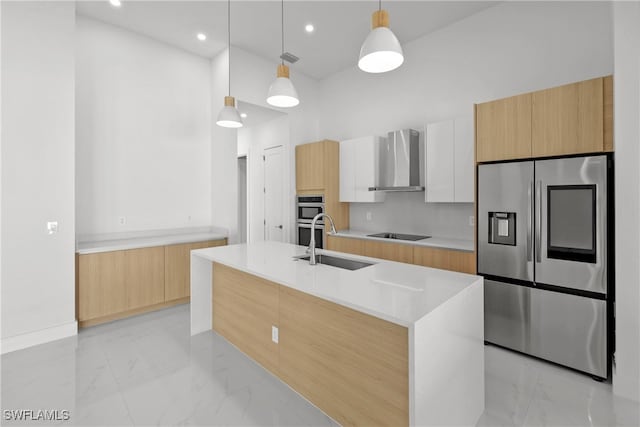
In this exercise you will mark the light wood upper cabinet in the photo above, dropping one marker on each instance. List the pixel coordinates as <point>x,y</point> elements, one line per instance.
<point>449,161</point>
<point>318,172</point>
<point>177,267</point>
<point>572,119</point>
<point>144,276</point>
<point>503,129</point>
<point>101,285</point>
<point>310,167</point>
<point>389,251</point>
<point>568,119</point>
<point>245,307</point>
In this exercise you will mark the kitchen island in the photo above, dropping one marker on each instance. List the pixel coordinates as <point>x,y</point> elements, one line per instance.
<point>388,344</point>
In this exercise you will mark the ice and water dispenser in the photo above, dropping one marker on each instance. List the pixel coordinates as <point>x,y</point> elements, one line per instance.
<point>502,228</point>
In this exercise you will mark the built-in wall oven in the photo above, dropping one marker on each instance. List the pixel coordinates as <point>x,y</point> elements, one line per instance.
<point>307,207</point>
<point>544,245</point>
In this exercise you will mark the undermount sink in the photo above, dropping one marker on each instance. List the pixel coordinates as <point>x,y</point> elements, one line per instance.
<point>398,236</point>
<point>334,261</point>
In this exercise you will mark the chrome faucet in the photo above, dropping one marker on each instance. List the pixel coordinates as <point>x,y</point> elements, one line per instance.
<point>312,244</point>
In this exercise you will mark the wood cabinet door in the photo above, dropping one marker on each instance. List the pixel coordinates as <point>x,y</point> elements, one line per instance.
<point>445,259</point>
<point>177,267</point>
<point>245,307</point>
<point>389,251</point>
<point>144,276</point>
<point>568,119</point>
<point>310,166</point>
<point>503,129</point>
<point>353,366</point>
<point>101,285</point>
<point>346,245</point>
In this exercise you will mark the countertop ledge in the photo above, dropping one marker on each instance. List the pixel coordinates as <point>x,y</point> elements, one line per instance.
<point>434,241</point>
<point>107,242</point>
<point>397,292</point>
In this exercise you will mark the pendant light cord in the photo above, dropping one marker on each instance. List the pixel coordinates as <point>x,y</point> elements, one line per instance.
<point>229,40</point>
<point>282,26</point>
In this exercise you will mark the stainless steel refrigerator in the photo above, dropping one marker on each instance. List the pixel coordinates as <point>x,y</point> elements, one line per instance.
<point>543,248</point>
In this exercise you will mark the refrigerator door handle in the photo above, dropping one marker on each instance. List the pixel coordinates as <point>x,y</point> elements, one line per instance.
<point>529,221</point>
<point>538,236</point>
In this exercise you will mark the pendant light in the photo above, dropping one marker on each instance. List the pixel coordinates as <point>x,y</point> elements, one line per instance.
<point>381,50</point>
<point>229,116</point>
<point>281,92</point>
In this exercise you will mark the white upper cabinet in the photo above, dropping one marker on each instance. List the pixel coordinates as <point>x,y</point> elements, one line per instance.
<point>449,164</point>
<point>359,170</point>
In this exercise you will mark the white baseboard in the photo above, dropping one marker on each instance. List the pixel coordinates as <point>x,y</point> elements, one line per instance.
<point>42,336</point>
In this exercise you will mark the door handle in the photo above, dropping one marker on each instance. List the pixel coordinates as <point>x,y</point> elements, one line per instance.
<point>530,192</point>
<point>538,236</point>
<point>279,226</point>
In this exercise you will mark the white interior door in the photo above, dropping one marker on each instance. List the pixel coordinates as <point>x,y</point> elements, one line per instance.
<point>273,194</point>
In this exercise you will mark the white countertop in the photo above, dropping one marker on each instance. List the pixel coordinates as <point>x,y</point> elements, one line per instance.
<point>396,292</point>
<point>434,241</point>
<point>133,240</point>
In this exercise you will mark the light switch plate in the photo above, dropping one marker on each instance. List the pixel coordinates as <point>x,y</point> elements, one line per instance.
<point>274,334</point>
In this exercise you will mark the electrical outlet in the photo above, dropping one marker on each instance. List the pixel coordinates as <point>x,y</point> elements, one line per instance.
<point>52,227</point>
<point>472,221</point>
<point>274,334</point>
<point>122,220</point>
<point>368,216</point>
<point>189,218</point>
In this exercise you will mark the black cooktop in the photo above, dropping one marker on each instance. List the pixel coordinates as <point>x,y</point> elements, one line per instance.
<point>398,236</point>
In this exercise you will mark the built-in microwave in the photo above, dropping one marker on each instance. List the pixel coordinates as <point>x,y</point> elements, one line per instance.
<point>307,207</point>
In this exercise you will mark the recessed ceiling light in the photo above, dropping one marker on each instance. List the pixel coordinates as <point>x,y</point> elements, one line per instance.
<point>309,28</point>
<point>243,115</point>
<point>115,3</point>
<point>201,36</point>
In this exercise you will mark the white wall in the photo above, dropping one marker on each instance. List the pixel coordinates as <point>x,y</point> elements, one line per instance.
<point>143,132</point>
<point>252,77</point>
<point>626,380</point>
<point>38,285</point>
<point>510,48</point>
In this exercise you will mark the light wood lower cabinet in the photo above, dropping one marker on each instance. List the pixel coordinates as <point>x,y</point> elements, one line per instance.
<point>389,251</point>
<point>445,259</point>
<point>116,284</point>
<point>177,267</point>
<point>341,244</point>
<point>101,285</point>
<point>245,307</point>
<point>351,365</point>
<point>144,276</point>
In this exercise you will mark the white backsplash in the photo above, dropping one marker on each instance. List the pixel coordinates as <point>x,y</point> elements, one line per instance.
<point>406,212</point>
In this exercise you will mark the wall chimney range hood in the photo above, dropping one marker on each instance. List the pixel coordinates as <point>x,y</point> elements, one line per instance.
<point>399,162</point>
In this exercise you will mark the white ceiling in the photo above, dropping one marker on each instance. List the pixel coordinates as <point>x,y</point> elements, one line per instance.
<point>341,26</point>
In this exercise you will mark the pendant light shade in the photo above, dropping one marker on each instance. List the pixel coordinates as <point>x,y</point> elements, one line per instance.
<point>281,92</point>
<point>381,50</point>
<point>229,116</point>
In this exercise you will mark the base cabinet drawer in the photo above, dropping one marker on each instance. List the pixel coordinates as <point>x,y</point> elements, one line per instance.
<point>445,259</point>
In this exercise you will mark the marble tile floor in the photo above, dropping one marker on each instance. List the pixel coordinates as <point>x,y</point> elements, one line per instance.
<point>148,370</point>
